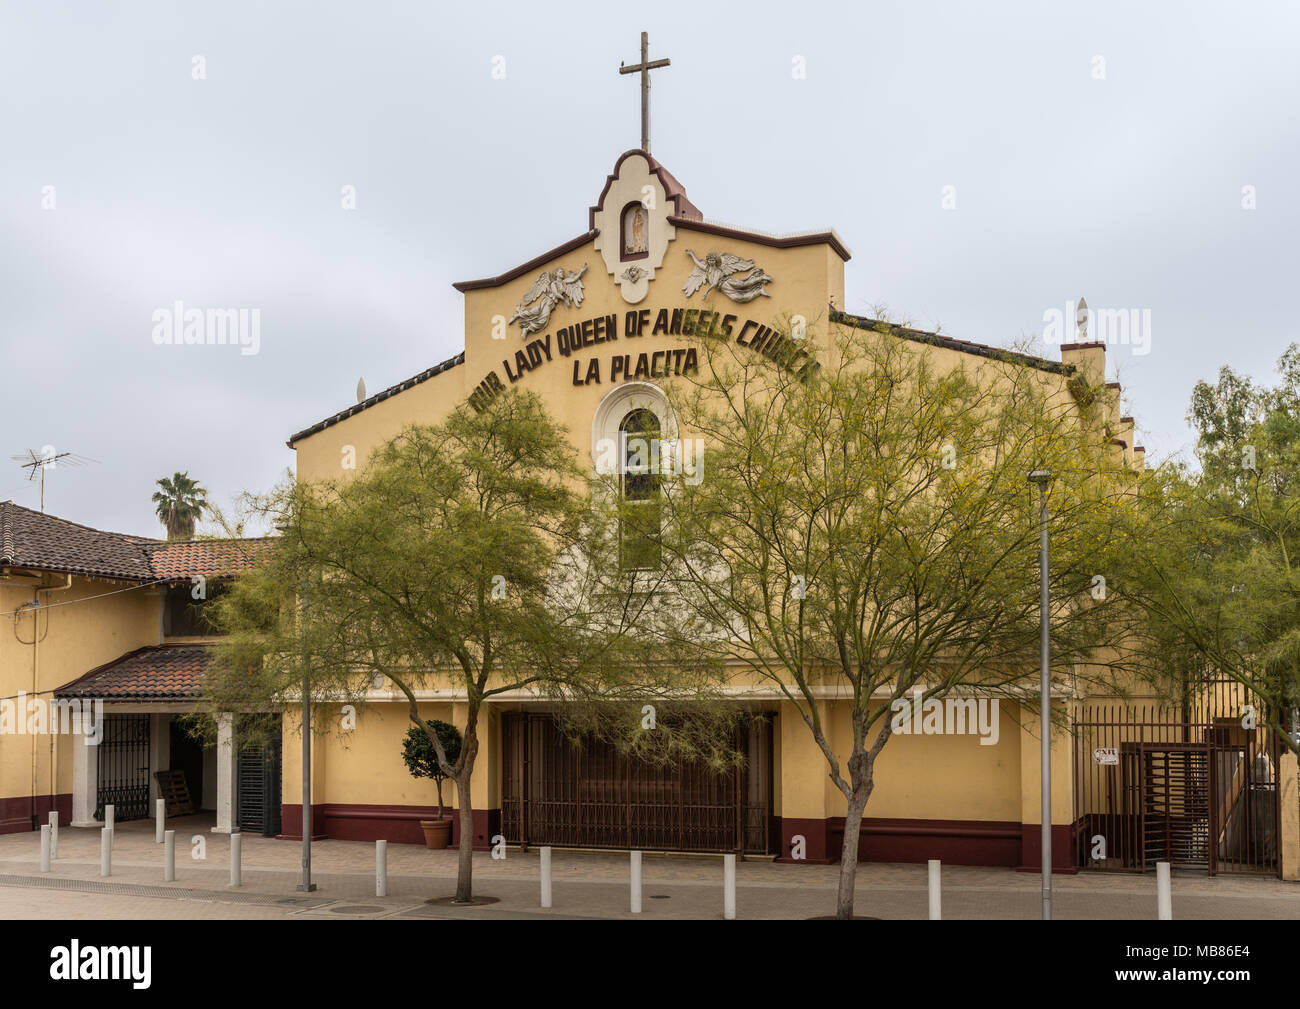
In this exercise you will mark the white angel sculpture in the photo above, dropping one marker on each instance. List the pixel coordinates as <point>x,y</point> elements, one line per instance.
<point>549,290</point>
<point>720,271</point>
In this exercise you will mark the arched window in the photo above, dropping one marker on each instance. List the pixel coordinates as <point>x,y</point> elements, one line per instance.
<point>640,470</point>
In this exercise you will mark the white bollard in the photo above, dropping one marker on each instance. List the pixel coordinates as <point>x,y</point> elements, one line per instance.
<point>636,882</point>
<point>45,847</point>
<point>159,821</point>
<point>108,817</point>
<point>936,901</point>
<point>729,887</point>
<point>105,852</point>
<point>169,856</point>
<point>54,833</point>
<point>1164,898</point>
<point>236,853</point>
<point>381,868</point>
<point>546,876</point>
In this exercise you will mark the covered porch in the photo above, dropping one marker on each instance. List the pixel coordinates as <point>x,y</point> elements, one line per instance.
<point>143,752</point>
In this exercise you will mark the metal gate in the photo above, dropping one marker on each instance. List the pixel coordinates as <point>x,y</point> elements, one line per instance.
<point>259,789</point>
<point>1175,795</point>
<point>594,797</point>
<point>1191,785</point>
<point>123,779</point>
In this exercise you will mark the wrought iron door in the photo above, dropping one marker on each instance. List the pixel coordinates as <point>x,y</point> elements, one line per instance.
<point>554,792</point>
<point>124,768</point>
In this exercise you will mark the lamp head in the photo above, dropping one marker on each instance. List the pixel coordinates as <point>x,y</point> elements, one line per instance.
<point>1042,477</point>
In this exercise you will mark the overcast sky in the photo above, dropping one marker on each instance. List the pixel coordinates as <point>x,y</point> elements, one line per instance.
<point>1096,149</point>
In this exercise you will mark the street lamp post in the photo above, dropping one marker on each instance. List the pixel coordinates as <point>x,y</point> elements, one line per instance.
<point>306,885</point>
<point>1042,478</point>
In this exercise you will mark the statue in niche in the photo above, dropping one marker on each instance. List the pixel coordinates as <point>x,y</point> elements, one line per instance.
<point>636,240</point>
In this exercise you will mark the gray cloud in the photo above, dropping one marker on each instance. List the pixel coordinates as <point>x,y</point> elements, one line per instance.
<point>225,191</point>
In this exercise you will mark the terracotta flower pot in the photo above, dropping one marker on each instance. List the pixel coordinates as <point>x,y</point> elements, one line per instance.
<point>437,833</point>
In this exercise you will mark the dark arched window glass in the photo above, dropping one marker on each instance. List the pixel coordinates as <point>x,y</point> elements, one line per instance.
<point>639,444</point>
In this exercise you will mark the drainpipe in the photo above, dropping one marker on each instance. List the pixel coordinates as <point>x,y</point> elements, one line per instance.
<point>36,646</point>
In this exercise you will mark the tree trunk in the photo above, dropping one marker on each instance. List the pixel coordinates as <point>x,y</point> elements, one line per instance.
<point>849,855</point>
<point>465,863</point>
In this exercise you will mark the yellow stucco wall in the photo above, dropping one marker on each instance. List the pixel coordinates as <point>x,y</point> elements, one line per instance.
<point>807,278</point>
<point>91,623</point>
<point>945,777</point>
<point>363,765</point>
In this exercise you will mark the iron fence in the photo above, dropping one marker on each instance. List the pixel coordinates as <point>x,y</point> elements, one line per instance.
<point>1193,784</point>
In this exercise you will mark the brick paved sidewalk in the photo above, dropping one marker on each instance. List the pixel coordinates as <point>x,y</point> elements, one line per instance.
<point>586,884</point>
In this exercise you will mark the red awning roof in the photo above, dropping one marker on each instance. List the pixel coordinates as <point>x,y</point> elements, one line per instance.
<point>155,673</point>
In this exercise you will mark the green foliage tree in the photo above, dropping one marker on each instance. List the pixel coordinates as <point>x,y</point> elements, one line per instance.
<point>864,529</point>
<point>421,757</point>
<point>434,566</point>
<point>179,504</point>
<point>1207,562</point>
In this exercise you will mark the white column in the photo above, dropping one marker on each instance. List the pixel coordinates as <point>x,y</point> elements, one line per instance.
<point>85,782</point>
<point>236,858</point>
<point>226,773</point>
<point>1164,896</point>
<point>936,894</point>
<point>729,887</point>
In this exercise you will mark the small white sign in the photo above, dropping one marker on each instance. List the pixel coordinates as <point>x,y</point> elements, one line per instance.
<point>1106,755</point>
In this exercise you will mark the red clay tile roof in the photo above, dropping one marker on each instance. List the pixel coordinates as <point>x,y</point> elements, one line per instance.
<point>40,542</point>
<point>156,673</point>
<point>182,559</point>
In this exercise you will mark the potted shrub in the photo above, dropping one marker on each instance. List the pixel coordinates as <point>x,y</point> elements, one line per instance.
<point>422,761</point>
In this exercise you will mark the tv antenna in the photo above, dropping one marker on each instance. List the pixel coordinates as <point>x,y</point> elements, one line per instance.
<point>48,458</point>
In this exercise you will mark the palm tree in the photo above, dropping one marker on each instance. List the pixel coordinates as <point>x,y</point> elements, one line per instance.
<point>180,504</point>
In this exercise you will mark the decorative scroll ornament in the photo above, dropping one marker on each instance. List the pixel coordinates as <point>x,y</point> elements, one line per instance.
<point>549,290</point>
<point>633,274</point>
<point>720,271</point>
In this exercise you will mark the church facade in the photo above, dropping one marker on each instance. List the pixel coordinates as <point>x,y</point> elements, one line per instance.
<point>110,637</point>
<point>597,327</point>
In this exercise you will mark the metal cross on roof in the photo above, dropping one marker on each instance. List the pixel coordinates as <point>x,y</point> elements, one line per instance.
<point>644,68</point>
